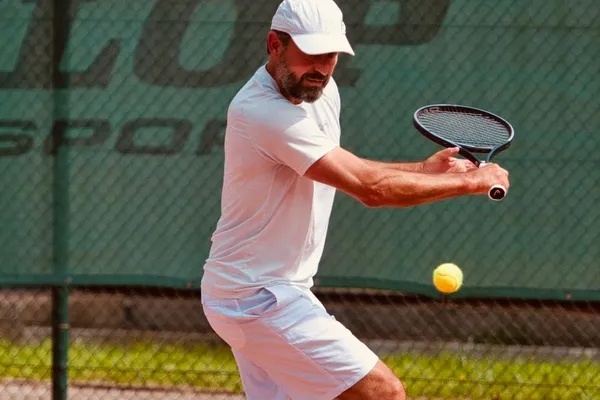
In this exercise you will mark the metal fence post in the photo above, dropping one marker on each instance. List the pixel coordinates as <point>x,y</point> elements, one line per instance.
<point>61,26</point>
<point>60,342</point>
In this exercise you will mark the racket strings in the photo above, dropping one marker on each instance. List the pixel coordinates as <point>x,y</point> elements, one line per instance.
<point>465,129</point>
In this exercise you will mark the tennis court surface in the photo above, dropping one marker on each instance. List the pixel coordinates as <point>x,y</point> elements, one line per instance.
<point>19,390</point>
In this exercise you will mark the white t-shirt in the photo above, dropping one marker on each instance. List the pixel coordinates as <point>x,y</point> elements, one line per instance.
<point>273,220</point>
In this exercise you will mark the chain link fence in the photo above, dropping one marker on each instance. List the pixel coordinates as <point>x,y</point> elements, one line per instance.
<point>111,131</point>
<point>156,344</point>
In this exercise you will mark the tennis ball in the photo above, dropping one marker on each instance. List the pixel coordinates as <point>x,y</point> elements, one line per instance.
<point>447,278</point>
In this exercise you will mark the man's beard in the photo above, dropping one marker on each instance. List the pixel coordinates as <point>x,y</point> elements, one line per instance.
<point>292,85</point>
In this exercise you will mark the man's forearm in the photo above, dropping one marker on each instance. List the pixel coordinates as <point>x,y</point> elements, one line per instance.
<point>393,188</point>
<point>403,166</point>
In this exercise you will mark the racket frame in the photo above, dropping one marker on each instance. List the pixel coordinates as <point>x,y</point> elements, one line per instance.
<point>464,150</point>
<point>496,192</point>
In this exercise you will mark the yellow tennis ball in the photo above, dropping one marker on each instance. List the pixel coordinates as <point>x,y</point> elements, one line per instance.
<point>447,278</point>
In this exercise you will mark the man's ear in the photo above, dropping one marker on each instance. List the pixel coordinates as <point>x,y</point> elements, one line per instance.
<point>274,45</point>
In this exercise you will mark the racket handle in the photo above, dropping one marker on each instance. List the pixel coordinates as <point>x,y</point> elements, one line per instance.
<point>497,192</point>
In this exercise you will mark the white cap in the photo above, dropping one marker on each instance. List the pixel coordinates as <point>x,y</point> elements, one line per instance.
<point>316,26</point>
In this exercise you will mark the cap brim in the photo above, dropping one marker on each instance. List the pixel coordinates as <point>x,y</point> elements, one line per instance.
<point>323,43</point>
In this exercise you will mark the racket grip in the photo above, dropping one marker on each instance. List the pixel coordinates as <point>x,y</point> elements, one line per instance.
<point>497,192</point>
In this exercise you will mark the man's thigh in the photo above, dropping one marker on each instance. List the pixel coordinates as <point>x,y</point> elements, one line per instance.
<point>301,347</point>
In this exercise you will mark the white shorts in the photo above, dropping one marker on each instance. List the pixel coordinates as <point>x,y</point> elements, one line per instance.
<point>287,346</point>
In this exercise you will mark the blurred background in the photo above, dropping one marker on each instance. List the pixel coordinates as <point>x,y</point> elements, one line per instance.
<point>112,116</point>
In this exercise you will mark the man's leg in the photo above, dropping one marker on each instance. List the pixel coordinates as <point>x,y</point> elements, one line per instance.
<point>380,383</point>
<point>290,336</point>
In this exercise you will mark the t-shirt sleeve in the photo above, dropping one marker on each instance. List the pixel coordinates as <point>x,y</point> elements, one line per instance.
<point>290,137</point>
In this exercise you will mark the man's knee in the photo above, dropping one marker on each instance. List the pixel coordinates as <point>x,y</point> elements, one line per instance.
<point>394,390</point>
<point>392,387</point>
<point>379,384</point>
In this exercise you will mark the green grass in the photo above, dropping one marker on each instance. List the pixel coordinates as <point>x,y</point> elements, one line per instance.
<point>452,377</point>
<point>444,376</point>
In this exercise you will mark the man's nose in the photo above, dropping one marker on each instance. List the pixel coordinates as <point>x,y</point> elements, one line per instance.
<point>323,62</point>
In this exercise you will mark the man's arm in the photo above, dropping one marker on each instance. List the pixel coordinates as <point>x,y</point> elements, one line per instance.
<point>398,166</point>
<point>443,161</point>
<point>377,186</point>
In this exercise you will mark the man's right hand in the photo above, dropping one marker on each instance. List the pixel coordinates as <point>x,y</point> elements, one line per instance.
<point>489,175</point>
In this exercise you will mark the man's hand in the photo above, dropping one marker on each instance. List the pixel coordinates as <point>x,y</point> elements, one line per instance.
<point>445,161</point>
<point>489,175</point>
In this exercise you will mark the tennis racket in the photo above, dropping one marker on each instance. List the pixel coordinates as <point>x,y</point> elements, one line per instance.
<point>470,129</point>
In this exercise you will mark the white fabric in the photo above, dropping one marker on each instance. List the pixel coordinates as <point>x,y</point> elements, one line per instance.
<point>316,26</point>
<point>273,220</point>
<point>287,346</point>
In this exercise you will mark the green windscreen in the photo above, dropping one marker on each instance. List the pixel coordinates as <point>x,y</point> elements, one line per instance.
<point>112,116</point>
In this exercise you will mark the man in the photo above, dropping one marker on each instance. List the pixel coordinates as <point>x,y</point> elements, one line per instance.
<point>283,164</point>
